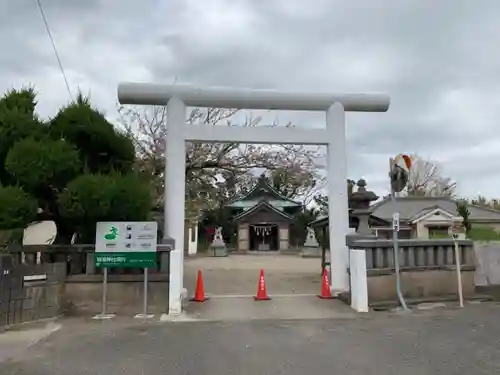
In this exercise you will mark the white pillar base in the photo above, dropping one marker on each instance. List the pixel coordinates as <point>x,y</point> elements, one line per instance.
<point>175,285</point>
<point>359,280</point>
<point>144,316</point>
<point>103,316</point>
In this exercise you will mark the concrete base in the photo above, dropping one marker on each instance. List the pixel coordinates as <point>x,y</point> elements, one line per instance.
<point>419,284</point>
<point>219,251</point>
<point>144,316</point>
<point>103,316</point>
<point>311,252</point>
<point>182,317</point>
<point>123,296</point>
<point>451,300</point>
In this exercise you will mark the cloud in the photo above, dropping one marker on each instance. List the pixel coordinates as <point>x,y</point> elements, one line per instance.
<point>438,60</point>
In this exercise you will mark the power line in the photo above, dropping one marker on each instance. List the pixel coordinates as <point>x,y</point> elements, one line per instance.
<point>54,47</point>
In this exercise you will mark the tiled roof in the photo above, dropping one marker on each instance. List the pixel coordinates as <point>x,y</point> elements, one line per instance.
<point>409,207</point>
<point>259,206</point>
<point>253,202</point>
<point>262,187</point>
<point>412,207</point>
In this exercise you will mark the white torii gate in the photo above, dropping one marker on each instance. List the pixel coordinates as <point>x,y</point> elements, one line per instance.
<point>177,97</point>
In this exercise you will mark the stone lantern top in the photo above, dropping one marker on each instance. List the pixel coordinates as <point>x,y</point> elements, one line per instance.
<point>361,198</point>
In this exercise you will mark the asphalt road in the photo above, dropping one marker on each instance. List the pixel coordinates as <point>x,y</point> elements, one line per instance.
<point>451,341</point>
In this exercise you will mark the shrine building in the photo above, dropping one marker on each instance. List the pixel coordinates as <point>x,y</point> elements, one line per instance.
<point>263,218</point>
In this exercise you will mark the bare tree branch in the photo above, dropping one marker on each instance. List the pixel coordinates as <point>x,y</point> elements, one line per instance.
<point>214,171</point>
<point>426,179</point>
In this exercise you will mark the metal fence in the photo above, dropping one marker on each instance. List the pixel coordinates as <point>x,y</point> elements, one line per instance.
<point>29,292</point>
<point>79,258</point>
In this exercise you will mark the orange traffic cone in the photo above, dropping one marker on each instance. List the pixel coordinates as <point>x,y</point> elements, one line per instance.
<point>262,289</point>
<point>199,294</point>
<point>326,293</point>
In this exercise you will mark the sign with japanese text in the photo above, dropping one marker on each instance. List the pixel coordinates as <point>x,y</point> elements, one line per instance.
<point>126,244</point>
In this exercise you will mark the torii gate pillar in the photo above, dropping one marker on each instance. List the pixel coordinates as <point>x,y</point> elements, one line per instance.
<point>177,97</point>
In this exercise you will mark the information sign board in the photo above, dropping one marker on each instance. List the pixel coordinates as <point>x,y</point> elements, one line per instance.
<point>126,244</point>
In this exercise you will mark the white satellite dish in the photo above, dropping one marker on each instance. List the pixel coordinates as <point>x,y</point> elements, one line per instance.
<point>40,233</point>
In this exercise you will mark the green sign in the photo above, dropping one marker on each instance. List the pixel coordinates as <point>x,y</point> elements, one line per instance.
<point>126,244</point>
<point>142,260</point>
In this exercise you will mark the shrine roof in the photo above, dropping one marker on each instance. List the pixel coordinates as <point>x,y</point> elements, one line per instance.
<point>262,205</point>
<point>253,202</point>
<point>262,191</point>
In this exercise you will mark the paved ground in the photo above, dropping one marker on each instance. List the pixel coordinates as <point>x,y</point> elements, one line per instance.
<point>239,274</point>
<point>286,307</point>
<point>452,341</point>
<point>14,343</point>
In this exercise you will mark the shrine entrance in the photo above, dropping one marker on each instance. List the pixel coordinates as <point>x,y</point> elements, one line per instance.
<point>177,97</point>
<point>264,237</point>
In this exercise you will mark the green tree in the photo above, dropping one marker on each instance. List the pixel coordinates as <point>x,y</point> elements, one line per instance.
<point>97,197</point>
<point>74,169</point>
<point>17,208</point>
<point>463,211</point>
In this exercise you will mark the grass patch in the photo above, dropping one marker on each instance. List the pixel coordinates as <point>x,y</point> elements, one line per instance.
<point>483,234</point>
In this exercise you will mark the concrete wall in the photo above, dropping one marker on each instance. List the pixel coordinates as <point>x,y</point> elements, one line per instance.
<point>488,263</point>
<point>427,267</point>
<point>124,297</point>
<point>30,292</point>
<point>43,300</point>
<point>426,284</point>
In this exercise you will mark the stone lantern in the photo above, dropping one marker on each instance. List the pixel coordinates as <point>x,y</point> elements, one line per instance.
<point>359,204</point>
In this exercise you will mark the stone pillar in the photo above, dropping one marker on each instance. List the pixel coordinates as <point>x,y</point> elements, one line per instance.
<point>338,223</point>
<point>243,237</point>
<point>193,239</point>
<point>90,268</point>
<point>175,179</point>
<point>283,237</point>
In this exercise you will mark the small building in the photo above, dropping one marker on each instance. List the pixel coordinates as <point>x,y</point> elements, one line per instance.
<point>428,217</point>
<point>419,217</point>
<point>263,218</point>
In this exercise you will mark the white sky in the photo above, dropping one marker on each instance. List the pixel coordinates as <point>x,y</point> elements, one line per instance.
<point>439,61</point>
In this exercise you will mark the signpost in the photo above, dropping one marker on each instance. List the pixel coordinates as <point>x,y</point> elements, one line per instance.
<point>458,232</point>
<point>399,172</point>
<point>125,244</point>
